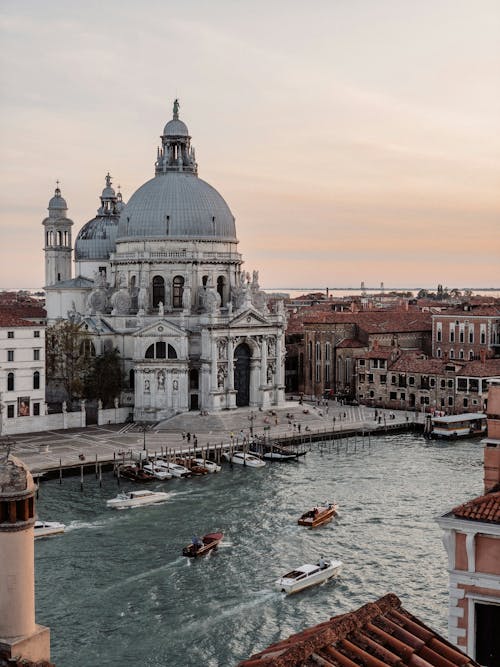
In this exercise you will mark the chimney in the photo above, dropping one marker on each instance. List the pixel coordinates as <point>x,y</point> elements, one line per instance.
<point>492,442</point>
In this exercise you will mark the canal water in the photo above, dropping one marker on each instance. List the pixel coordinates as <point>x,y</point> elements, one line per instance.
<point>115,590</point>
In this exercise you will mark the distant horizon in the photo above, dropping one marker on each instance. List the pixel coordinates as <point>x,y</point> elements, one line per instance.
<point>319,289</point>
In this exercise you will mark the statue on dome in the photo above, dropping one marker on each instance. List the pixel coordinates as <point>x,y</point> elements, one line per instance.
<point>108,180</point>
<point>176,109</point>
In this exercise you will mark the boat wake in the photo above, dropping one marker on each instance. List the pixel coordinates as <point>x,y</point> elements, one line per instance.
<point>140,576</point>
<point>89,525</point>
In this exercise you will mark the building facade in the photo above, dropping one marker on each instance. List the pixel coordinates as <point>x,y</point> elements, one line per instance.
<point>22,372</point>
<point>471,536</point>
<point>160,278</point>
<point>466,334</point>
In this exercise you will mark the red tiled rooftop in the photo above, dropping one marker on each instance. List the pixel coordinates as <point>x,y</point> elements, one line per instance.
<point>379,634</point>
<point>8,320</point>
<point>350,342</point>
<point>376,321</point>
<point>485,508</point>
<point>485,368</point>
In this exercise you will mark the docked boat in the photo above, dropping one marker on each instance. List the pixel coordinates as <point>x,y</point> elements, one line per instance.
<point>136,499</point>
<point>273,452</point>
<point>308,575</point>
<point>157,472</point>
<point>245,459</point>
<point>466,425</point>
<point>48,528</point>
<point>211,466</point>
<point>201,546</point>
<point>193,467</point>
<point>318,515</point>
<point>175,469</point>
<point>135,474</point>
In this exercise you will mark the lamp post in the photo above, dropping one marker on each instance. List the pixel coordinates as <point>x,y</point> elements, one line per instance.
<point>144,427</point>
<point>252,417</point>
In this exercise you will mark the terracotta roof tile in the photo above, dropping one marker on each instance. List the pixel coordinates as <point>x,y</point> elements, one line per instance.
<point>375,321</point>
<point>484,508</point>
<point>380,634</point>
<point>484,368</point>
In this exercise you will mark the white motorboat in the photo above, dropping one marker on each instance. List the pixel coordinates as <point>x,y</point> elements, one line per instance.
<point>245,459</point>
<point>157,471</point>
<point>209,465</point>
<point>175,469</point>
<point>48,528</point>
<point>308,575</point>
<point>136,499</point>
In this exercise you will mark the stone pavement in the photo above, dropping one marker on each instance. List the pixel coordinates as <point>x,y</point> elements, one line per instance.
<point>50,449</point>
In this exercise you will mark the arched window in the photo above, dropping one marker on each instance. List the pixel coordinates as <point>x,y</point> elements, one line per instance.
<point>59,238</point>
<point>160,350</point>
<point>178,289</point>
<point>158,291</point>
<point>204,281</point>
<point>221,283</point>
<point>471,355</point>
<point>10,382</point>
<point>452,354</point>
<point>36,380</point>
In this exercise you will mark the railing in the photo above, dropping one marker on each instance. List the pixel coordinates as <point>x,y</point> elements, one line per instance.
<point>182,255</point>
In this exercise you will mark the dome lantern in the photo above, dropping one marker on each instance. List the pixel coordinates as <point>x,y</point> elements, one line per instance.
<point>176,153</point>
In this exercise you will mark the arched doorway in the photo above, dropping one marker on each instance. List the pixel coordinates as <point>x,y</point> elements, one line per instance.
<point>242,356</point>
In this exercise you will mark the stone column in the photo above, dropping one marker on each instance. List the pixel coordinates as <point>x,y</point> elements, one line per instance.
<point>263,361</point>
<point>255,372</point>
<point>214,355</point>
<point>230,364</point>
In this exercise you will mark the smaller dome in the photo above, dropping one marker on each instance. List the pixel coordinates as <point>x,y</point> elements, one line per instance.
<point>108,193</point>
<point>175,128</point>
<point>57,203</point>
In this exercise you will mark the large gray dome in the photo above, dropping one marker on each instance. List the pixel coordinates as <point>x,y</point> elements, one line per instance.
<point>176,205</point>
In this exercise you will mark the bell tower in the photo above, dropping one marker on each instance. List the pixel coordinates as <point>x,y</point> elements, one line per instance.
<point>20,636</point>
<point>57,247</point>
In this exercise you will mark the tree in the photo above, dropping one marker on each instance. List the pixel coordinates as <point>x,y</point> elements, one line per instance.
<point>105,378</point>
<point>68,349</point>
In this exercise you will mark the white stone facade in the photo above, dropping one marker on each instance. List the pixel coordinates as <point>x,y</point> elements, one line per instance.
<point>22,376</point>
<point>194,331</point>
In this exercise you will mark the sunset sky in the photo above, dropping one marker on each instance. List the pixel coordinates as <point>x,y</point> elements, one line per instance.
<point>354,140</point>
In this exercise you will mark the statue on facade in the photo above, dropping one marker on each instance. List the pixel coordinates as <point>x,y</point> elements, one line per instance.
<point>161,380</point>
<point>161,309</point>
<point>270,373</point>
<point>222,348</point>
<point>221,375</point>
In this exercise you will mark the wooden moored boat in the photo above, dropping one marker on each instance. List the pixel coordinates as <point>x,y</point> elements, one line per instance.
<point>135,473</point>
<point>202,546</point>
<point>318,515</point>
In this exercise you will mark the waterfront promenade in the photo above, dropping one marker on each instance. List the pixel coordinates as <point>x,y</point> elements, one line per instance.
<point>51,450</point>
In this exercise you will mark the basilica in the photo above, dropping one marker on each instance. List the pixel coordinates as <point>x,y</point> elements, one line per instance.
<point>160,278</point>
